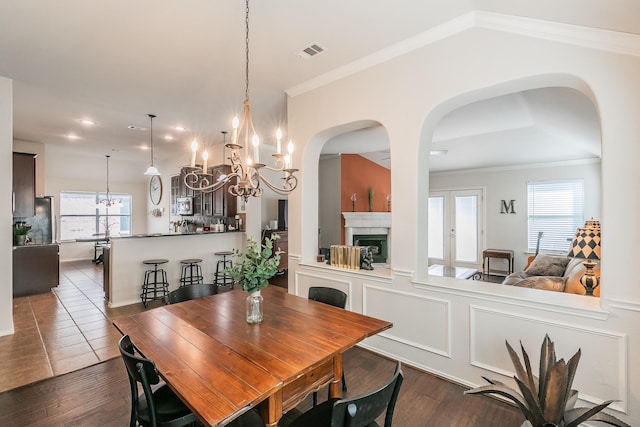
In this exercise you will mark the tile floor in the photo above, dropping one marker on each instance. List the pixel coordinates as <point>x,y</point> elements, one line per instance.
<point>61,331</point>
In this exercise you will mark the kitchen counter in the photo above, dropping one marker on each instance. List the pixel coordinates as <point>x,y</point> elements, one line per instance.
<point>126,270</point>
<point>31,245</point>
<point>191,233</point>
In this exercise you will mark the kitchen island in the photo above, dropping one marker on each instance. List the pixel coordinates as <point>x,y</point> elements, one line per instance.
<point>126,271</point>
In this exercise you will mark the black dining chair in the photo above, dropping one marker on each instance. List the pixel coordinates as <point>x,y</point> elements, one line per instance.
<point>336,298</point>
<point>157,406</point>
<point>360,411</point>
<point>190,292</point>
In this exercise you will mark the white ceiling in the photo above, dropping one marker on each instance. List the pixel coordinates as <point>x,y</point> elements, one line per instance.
<point>531,127</point>
<point>116,61</point>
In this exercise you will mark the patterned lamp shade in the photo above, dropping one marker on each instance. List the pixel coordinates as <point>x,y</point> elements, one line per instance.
<point>591,223</point>
<point>586,243</point>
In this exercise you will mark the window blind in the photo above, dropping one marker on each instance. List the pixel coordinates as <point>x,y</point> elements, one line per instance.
<point>555,209</point>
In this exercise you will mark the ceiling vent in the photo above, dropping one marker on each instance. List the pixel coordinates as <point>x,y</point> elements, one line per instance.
<point>311,50</point>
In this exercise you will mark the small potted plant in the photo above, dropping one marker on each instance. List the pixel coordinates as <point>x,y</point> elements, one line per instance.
<point>252,270</point>
<point>20,230</point>
<point>547,400</point>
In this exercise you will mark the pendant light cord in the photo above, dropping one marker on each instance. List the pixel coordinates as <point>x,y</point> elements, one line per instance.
<point>246,43</point>
<point>151,116</point>
<point>107,156</point>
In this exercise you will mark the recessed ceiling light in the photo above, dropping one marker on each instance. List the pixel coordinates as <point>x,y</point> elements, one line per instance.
<point>180,128</point>
<point>168,137</point>
<point>87,122</point>
<point>134,127</point>
<point>72,136</point>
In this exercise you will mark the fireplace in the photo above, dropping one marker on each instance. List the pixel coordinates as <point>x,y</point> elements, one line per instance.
<point>369,229</point>
<point>377,240</point>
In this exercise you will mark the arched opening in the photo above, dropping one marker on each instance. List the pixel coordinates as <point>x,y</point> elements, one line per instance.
<point>500,142</point>
<point>354,177</point>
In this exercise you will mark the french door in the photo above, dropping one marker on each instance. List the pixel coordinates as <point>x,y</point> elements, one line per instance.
<point>456,227</point>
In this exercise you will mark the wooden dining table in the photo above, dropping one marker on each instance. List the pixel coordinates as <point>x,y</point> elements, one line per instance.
<point>221,366</point>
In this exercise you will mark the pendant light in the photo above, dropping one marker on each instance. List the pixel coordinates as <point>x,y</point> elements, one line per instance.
<point>152,170</point>
<point>108,202</point>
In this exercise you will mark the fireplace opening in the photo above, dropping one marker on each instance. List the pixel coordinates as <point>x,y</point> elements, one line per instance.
<point>377,240</point>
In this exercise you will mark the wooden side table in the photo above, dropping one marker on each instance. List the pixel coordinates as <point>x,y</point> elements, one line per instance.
<point>487,254</point>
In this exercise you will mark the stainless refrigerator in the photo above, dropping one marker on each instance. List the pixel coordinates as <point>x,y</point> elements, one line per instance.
<point>43,224</point>
<point>36,266</point>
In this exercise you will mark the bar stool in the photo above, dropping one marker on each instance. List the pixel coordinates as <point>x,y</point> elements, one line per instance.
<point>191,272</point>
<point>221,278</point>
<point>155,284</point>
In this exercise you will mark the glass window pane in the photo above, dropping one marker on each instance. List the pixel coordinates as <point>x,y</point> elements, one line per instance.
<point>83,215</point>
<point>436,227</point>
<point>466,229</point>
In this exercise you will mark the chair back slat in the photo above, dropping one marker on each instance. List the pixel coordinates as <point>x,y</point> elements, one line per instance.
<point>331,296</point>
<point>136,362</point>
<point>190,292</point>
<point>362,410</point>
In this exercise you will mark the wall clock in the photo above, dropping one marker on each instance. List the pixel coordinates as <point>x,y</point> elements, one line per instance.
<point>155,189</point>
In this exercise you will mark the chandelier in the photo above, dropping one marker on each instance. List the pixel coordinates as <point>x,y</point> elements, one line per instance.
<point>246,174</point>
<point>108,202</point>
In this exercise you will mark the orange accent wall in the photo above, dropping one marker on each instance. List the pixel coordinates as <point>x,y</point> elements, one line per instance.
<point>357,176</point>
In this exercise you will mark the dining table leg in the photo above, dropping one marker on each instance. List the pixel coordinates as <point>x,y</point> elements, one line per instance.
<point>271,409</point>
<point>335,387</point>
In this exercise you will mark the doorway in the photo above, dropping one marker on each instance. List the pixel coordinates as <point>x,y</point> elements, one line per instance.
<point>456,227</point>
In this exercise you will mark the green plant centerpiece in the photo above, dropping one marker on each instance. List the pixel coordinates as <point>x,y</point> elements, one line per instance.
<point>252,270</point>
<point>547,400</point>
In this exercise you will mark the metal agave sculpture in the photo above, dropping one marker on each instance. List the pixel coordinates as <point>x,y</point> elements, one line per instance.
<point>547,400</point>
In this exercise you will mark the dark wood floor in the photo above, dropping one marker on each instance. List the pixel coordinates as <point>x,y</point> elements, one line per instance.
<point>99,396</point>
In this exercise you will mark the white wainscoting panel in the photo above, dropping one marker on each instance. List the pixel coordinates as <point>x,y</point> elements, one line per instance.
<point>489,328</point>
<point>418,321</point>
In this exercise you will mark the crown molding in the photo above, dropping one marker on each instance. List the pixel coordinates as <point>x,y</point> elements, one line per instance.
<point>593,38</point>
<point>589,37</point>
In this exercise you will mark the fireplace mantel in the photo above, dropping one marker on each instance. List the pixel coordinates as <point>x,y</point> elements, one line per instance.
<point>367,219</point>
<point>366,223</point>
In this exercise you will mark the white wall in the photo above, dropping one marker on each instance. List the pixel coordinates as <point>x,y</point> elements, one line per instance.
<point>457,328</point>
<point>509,231</point>
<point>6,188</point>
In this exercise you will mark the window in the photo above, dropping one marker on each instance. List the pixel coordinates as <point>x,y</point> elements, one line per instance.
<point>82,216</point>
<point>555,209</point>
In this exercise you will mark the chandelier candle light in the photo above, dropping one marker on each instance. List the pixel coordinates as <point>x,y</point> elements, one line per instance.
<point>246,170</point>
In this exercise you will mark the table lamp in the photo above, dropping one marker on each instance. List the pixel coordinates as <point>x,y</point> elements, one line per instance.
<point>586,245</point>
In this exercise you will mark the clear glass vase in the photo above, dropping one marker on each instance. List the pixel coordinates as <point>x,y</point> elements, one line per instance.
<point>254,307</point>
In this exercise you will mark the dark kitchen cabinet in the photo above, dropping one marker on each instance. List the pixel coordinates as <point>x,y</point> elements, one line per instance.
<point>36,269</point>
<point>216,203</point>
<point>223,203</point>
<point>24,185</point>
<point>283,244</point>
<point>175,193</point>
